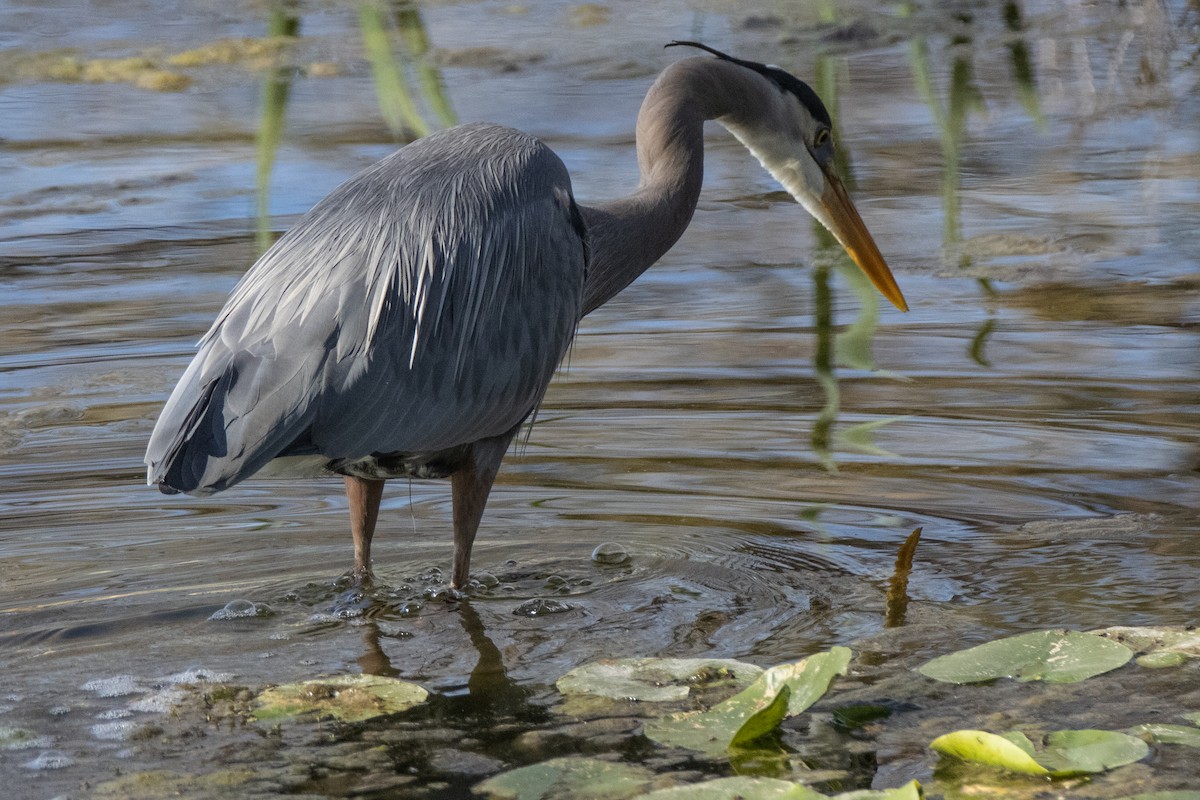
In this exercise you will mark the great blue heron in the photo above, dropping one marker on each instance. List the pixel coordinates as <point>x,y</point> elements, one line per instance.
<point>411,321</point>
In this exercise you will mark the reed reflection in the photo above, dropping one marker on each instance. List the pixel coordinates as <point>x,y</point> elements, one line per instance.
<point>283,21</point>
<point>850,347</point>
<point>396,46</point>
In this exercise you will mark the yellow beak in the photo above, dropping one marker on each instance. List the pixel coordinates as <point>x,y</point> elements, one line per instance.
<point>848,227</point>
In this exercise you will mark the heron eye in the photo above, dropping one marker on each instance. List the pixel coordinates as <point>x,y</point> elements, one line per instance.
<point>821,138</point>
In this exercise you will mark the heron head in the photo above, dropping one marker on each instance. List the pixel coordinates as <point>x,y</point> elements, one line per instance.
<point>793,138</point>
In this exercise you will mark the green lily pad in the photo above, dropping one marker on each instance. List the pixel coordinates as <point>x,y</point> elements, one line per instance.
<point>1158,733</point>
<point>157,784</point>
<point>981,747</point>
<point>350,698</point>
<point>567,779</point>
<point>1161,659</point>
<point>1155,641</point>
<point>772,789</point>
<point>1067,753</point>
<point>742,718</point>
<point>1084,752</point>
<point>779,692</point>
<point>737,789</point>
<point>655,679</point>
<point>1056,656</point>
<point>809,679</point>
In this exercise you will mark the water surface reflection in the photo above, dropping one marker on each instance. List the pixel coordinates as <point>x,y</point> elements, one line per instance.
<point>758,436</point>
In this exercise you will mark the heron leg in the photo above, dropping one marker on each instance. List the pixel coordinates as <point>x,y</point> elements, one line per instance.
<point>364,496</point>
<point>471,486</point>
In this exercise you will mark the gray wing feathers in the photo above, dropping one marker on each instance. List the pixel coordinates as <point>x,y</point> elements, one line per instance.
<point>425,303</point>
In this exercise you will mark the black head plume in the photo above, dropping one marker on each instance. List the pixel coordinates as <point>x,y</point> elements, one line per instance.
<point>784,80</point>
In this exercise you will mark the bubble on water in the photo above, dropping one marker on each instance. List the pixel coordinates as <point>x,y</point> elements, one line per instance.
<point>336,614</point>
<point>540,607</point>
<point>610,553</point>
<point>393,631</point>
<point>242,609</point>
<point>58,711</point>
<point>555,581</point>
<point>281,636</point>
<point>445,594</point>
<point>114,731</point>
<point>116,686</point>
<point>431,575</point>
<point>50,759</point>
<point>410,609</point>
<point>115,713</point>
<point>487,580</point>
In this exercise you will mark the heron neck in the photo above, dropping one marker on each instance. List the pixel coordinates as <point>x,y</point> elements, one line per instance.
<point>629,234</point>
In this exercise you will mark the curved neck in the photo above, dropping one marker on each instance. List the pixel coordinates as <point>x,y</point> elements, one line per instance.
<point>630,234</point>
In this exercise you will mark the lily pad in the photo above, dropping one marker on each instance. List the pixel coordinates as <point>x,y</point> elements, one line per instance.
<point>567,778</point>
<point>1162,659</point>
<point>1155,641</point>
<point>1089,751</point>
<point>1067,753</point>
<point>809,679</point>
<point>779,692</point>
<point>350,698</point>
<point>1167,734</point>
<point>981,747</point>
<point>1055,656</point>
<point>737,789</point>
<point>773,789</point>
<point>655,679</point>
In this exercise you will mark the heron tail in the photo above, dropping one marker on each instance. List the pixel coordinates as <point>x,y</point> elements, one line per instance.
<point>187,438</point>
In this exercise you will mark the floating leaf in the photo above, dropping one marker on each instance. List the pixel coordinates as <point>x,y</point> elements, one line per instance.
<point>1067,753</point>
<point>655,679</point>
<point>737,789</point>
<point>1155,641</point>
<point>782,691</point>
<point>773,789</point>
<point>809,679</point>
<point>1056,656</point>
<point>1162,659</point>
<point>981,747</point>
<point>1022,741</point>
<point>1168,734</point>
<point>1177,794</point>
<point>350,698</point>
<point>1082,752</point>
<point>742,718</point>
<point>571,778</point>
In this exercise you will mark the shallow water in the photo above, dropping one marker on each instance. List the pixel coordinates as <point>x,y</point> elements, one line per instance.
<point>1035,413</point>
